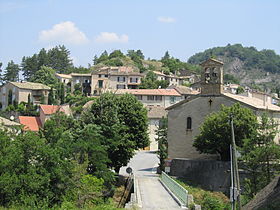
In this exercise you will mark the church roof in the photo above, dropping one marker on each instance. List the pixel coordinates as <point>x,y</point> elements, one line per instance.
<point>252,102</point>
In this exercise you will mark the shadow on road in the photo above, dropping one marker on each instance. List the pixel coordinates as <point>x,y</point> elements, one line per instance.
<point>145,169</point>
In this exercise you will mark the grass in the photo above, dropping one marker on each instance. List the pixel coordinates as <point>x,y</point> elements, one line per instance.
<point>207,199</point>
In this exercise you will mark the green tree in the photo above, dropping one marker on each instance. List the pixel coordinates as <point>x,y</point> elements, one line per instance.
<point>1,78</point>
<point>134,115</point>
<point>113,62</point>
<point>104,112</point>
<point>261,156</point>
<point>62,94</point>
<point>116,54</point>
<point>103,57</point>
<point>162,142</point>
<point>151,82</point>
<point>59,58</point>
<point>89,144</point>
<point>32,174</point>
<point>29,66</point>
<point>45,75</point>
<point>166,56</point>
<point>123,123</point>
<point>51,100</point>
<point>215,138</point>
<point>42,58</point>
<point>10,97</point>
<point>12,72</point>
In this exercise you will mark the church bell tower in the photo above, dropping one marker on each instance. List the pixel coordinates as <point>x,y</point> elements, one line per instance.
<point>212,77</point>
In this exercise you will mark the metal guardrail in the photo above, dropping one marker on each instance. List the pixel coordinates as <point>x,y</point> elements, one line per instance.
<point>180,192</point>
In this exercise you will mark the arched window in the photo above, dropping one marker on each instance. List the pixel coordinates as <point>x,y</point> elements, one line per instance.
<point>189,123</point>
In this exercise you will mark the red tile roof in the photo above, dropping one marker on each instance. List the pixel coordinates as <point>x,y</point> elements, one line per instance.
<point>30,123</point>
<point>49,109</point>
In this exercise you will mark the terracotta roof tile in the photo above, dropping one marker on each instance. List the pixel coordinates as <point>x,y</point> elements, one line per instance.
<point>30,123</point>
<point>49,109</point>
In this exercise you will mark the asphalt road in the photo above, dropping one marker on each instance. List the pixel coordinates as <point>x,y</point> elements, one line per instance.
<point>153,194</point>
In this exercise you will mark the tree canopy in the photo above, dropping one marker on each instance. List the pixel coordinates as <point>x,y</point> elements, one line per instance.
<point>215,132</point>
<point>261,156</point>
<point>123,123</point>
<point>151,82</point>
<point>252,58</point>
<point>57,58</point>
<point>12,72</point>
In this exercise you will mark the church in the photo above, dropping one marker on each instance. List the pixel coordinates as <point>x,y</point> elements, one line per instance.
<point>185,117</point>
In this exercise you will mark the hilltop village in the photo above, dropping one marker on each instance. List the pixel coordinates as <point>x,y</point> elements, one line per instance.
<point>99,117</point>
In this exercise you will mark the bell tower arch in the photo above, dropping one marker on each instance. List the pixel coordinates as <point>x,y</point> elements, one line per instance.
<point>212,77</point>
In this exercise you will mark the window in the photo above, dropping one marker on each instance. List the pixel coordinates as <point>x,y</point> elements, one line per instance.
<point>158,98</point>
<point>189,123</point>
<point>86,81</point>
<point>77,81</point>
<point>121,79</point>
<point>64,81</point>
<point>121,87</point>
<point>151,98</point>
<point>139,97</point>
<point>172,99</point>
<point>106,75</point>
<point>100,83</point>
<point>133,80</point>
<point>99,75</point>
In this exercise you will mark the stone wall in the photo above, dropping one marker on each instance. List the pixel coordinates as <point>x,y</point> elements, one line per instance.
<point>209,174</point>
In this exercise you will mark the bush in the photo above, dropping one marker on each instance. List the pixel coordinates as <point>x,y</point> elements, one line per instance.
<point>210,202</point>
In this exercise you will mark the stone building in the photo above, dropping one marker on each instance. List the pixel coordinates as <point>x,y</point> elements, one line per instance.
<point>114,78</point>
<point>154,97</point>
<point>155,114</point>
<point>20,91</point>
<point>185,117</point>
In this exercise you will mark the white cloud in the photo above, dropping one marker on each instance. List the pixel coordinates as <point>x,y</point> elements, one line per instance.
<point>166,19</point>
<point>107,37</point>
<point>65,32</point>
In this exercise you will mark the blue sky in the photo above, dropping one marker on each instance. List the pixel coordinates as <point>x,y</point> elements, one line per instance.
<point>88,27</point>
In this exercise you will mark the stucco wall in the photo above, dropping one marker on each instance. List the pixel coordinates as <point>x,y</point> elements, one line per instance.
<point>165,102</point>
<point>153,126</point>
<point>180,140</point>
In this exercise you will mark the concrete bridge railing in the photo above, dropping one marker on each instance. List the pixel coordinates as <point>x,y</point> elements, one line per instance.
<point>176,189</point>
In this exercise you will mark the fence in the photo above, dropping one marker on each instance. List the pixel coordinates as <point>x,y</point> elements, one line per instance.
<point>180,192</point>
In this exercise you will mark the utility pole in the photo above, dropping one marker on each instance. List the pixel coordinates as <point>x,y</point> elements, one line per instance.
<point>235,184</point>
